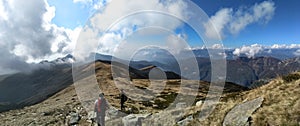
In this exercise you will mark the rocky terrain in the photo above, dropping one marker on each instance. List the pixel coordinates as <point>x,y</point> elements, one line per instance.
<point>276,103</point>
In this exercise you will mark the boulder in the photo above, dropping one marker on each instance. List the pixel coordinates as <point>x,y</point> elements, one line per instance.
<point>199,103</point>
<point>112,113</point>
<point>134,119</point>
<point>74,118</point>
<point>91,115</point>
<point>240,114</point>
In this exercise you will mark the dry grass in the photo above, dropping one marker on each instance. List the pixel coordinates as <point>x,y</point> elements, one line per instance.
<point>281,105</point>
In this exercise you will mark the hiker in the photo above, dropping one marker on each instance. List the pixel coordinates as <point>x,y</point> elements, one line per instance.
<point>123,99</point>
<point>100,108</point>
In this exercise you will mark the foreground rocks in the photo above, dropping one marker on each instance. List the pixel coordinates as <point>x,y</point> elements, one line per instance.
<point>74,118</point>
<point>134,119</point>
<point>186,121</point>
<point>240,114</point>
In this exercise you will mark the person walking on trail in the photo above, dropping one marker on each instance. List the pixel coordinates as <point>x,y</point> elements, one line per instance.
<point>123,99</point>
<point>100,108</point>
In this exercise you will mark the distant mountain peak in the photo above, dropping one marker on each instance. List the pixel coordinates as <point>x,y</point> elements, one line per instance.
<point>68,59</point>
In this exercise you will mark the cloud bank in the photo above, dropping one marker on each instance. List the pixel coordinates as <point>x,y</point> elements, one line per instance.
<point>115,11</point>
<point>252,50</point>
<point>27,34</point>
<point>284,46</point>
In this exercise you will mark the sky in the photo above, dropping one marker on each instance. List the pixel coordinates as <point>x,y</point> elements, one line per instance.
<point>280,29</point>
<point>35,30</point>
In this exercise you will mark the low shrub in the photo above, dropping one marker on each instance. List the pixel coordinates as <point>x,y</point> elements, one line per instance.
<point>291,77</point>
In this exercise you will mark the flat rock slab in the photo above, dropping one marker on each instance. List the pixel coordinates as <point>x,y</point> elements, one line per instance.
<point>134,119</point>
<point>186,121</point>
<point>239,115</point>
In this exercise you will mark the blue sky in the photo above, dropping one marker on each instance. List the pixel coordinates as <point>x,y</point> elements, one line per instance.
<point>281,29</point>
<point>69,14</point>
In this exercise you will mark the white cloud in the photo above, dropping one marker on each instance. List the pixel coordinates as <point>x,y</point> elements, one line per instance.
<point>94,4</point>
<point>224,55</point>
<point>82,1</point>
<point>87,41</point>
<point>249,51</point>
<point>116,10</point>
<point>284,46</point>
<point>297,53</point>
<point>28,35</point>
<point>3,13</point>
<point>48,16</point>
<point>217,46</point>
<point>36,38</point>
<point>217,23</point>
<point>254,49</point>
<point>109,42</point>
<point>234,22</point>
<point>277,46</point>
<point>176,43</point>
<point>294,46</point>
<point>262,12</point>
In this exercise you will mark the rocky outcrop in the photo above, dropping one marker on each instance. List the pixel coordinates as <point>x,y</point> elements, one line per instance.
<point>240,114</point>
<point>134,119</point>
<point>74,118</point>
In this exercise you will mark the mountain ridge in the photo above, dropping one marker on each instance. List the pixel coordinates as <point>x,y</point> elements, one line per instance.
<point>248,72</point>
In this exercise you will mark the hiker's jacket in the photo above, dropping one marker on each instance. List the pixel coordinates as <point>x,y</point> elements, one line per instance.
<point>100,105</point>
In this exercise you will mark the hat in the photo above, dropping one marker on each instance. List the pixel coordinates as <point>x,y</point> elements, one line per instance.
<point>101,94</point>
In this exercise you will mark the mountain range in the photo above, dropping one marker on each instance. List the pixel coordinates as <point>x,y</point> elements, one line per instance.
<point>23,89</point>
<point>242,70</point>
<point>245,71</point>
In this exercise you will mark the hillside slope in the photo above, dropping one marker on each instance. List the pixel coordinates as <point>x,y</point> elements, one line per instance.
<point>281,104</point>
<point>23,89</point>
